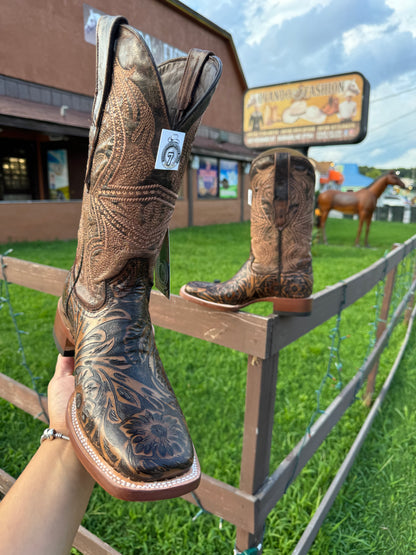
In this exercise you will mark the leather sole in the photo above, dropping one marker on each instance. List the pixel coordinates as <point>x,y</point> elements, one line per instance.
<point>283,305</point>
<point>118,485</point>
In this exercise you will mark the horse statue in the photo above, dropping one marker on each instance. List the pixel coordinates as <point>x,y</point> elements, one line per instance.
<point>362,202</point>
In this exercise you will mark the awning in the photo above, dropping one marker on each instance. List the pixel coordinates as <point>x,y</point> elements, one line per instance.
<point>17,112</point>
<point>211,147</point>
<point>36,116</point>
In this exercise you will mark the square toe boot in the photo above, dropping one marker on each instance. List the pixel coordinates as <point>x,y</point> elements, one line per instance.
<point>279,268</point>
<point>125,422</point>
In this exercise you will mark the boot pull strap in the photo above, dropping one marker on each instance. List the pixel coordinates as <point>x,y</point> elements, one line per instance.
<point>190,80</point>
<point>107,30</point>
<point>281,188</point>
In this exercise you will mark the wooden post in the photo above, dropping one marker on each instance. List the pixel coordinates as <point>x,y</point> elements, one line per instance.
<point>41,182</point>
<point>258,427</point>
<point>242,188</point>
<point>190,193</point>
<point>411,302</point>
<point>384,314</point>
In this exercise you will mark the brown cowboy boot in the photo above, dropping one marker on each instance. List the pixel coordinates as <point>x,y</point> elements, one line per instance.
<point>125,422</point>
<point>279,268</point>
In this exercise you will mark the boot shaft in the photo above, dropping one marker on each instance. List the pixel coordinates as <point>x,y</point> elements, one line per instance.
<point>127,201</point>
<point>282,182</point>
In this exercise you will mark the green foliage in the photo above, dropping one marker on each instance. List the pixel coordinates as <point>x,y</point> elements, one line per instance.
<point>371,172</point>
<point>375,507</point>
<point>376,172</point>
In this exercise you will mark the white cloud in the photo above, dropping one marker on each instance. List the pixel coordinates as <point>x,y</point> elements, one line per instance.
<point>406,160</point>
<point>328,153</point>
<point>361,35</point>
<point>283,40</point>
<point>404,14</point>
<point>262,15</point>
<point>403,19</point>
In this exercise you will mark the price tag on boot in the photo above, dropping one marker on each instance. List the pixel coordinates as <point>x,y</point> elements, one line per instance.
<point>250,197</point>
<point>169,150</point>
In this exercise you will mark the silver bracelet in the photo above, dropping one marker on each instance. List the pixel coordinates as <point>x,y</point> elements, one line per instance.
<point>51,433</point>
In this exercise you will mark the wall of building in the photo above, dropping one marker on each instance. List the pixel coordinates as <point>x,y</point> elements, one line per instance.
<point>47,81</point>
<point>46,45</point>
<point>39,220</point>
<point>51,220</point>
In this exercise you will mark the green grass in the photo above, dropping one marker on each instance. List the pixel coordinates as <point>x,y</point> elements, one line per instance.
<point>374,508</point>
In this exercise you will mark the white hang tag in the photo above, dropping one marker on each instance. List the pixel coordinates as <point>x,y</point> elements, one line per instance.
<point>250,196</point>
<point>170,150</point>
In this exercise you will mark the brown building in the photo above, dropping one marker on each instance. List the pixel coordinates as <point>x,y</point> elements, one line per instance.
<point>47,81</point>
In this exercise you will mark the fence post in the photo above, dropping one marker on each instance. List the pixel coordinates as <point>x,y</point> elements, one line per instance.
<point>411,302</point>
<point>258,428</point>
<point>384,314</point>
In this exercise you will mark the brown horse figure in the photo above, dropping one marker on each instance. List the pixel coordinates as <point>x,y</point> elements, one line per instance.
<point>362,202</point>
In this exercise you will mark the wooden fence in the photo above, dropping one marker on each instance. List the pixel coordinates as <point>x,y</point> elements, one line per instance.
<point>261,338</point>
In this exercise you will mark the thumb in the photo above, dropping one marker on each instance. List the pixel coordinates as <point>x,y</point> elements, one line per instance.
<point>64,366</point>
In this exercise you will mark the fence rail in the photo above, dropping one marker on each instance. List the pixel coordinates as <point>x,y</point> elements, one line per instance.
<point>261,338</point>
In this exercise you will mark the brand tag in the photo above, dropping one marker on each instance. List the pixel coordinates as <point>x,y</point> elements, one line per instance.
<point>170,150</point>
<point>162,268</point>
<point>250,196</point>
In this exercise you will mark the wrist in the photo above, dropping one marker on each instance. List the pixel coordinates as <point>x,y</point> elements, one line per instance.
<point>52,433</point>
<point>59,443</point>
<point>63,453</point>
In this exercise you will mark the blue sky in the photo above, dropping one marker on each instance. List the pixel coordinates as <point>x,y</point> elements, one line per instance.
<point>285,40</point>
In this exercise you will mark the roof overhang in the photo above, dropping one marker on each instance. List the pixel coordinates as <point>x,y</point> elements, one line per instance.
<point>25,114</point>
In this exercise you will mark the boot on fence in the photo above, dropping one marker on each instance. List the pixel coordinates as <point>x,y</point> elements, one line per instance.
<point>125,422</point>
<point>279,268</point>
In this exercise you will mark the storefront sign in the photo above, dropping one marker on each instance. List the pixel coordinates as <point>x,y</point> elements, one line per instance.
<point>323,111</point>
<point>161,51</point>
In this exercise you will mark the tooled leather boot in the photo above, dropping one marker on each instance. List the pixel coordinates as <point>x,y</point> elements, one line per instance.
<point>124,420</point>
<point>279,268</point>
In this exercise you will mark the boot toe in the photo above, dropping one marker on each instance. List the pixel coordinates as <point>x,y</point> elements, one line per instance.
<point>140,469</point>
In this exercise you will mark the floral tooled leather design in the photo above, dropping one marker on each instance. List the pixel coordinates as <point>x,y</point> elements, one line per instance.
<point>247,286</point>
<point>280,262</point>
<point>124,419</point>
<point>128,205</point>
<point>125,404</point>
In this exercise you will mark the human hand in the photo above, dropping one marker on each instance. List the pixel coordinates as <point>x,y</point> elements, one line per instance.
<point>60,389</point>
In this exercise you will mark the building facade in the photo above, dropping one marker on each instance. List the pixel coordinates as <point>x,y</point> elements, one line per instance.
<point>47,82</point>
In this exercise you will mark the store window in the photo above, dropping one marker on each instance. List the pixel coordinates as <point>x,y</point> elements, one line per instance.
<point>16,170</point>
<point>217,178</point>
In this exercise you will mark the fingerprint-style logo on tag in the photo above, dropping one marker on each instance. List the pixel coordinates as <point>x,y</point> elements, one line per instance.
<point>171,154</point>
<point>169,150</point>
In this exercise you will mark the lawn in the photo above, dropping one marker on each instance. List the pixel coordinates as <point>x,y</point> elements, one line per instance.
<point>375,510</point>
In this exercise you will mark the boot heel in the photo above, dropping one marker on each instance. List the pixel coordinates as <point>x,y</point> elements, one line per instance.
<point>63,339</point>
<point>292,307</point>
